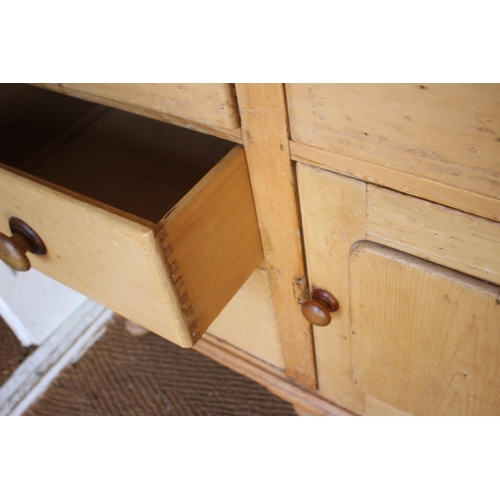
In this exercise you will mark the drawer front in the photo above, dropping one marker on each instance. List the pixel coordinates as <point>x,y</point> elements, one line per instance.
<point>211,104</point>
<point>173,277</point>
<point>449,133</point>
<point>104,255</point>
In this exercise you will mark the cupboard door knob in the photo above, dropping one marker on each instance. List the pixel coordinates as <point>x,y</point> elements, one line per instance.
<point>13,249</point>
<point>318,310</point>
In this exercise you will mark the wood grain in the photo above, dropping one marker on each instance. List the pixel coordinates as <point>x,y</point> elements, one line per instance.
<point>375,407</point>
<point>141,166</point>
<point>265,136</point>
<point>209,104</point>
<point>425,340</point>
<point>248,321</point>
<point>333,216</point>
<point>212,247</point>
<point>211,240</point>
<point>98,200</point>
<point>399,181</point>
<point>448,133</point>
<point>449,237</point>
<point>107,256</point>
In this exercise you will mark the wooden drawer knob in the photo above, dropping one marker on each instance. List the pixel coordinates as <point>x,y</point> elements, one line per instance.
<point>13,249</point>
<point>318,310</point>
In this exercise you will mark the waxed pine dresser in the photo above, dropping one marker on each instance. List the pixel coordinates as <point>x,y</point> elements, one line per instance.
<point>337,243</point>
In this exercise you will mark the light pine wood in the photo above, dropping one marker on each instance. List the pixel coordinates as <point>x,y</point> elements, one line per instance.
<point>208,104</point>
<point>400,181</point>
<point>107,256</point>
<point>126,172</point>
<point>211,240</point>
<point>115,176</point>
<point>302,412</point>
<point>423,154</point>
<point>333,211</point>
<point>141,166</point>
<point>173,279</point>
<point>449,237</point>
<point>273,379</point>
<point>265,136</point>
<point>425,339</point>
<point>375,407</point>
<point>448,133</point>
<point>248,321</point>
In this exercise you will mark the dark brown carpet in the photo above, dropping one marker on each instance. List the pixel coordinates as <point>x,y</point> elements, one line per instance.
<point>12,353</point>
<point>126,375</point>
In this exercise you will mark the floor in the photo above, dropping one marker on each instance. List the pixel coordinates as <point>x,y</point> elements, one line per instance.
<point>123,374</point>
<point>12,353</point>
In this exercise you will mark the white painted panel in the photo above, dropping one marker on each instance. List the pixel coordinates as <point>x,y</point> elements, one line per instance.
<point>65,346</point>
<point>34,305</point>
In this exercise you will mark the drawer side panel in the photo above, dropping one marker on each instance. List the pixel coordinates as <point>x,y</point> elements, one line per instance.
<point>211,240</point>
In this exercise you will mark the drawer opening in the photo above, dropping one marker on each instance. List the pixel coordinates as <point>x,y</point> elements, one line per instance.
<point>131,163</point>
<point>154,221</point>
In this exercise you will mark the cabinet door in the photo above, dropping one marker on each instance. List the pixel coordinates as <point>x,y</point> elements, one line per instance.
<point>425,340</point>
<point>333,209</point>
<point>410,337</point>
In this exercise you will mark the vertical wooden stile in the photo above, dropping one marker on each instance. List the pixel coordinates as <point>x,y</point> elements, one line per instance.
<point>265,137</point>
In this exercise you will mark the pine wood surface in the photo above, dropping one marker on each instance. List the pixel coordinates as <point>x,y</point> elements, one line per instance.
<point>425,339</point>
<point>104,255</point>
<point>96,200</point>
<point>211,241</point>
<point>248,321</point>
<point>333,217</point>
<point>141,166</point>
<point>449,237</point>
<point>448,133</point>
<point>375,407</point>
<point>450,196</point>
<point>265,137</point>
<point>438,143</point>
<point>411,329</point>
<point>212,247</point>
<point>211,104</point>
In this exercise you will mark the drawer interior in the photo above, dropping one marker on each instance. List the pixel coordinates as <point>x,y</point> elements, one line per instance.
<point>134,164</point>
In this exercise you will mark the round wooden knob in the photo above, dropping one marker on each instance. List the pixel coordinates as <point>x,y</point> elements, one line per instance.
<point>13,249</point>
<point>318,310</point>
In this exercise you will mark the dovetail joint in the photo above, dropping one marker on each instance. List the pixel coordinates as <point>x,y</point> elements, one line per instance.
<point>178,282</point>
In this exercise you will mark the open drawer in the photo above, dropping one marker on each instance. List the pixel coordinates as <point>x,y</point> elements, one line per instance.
<point>208,104</point>
<point>154,221</point>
